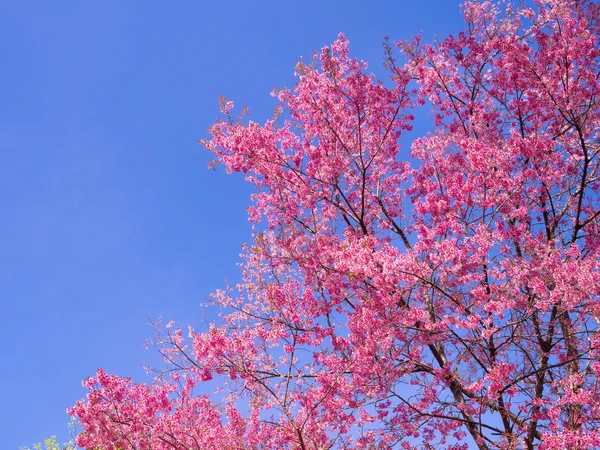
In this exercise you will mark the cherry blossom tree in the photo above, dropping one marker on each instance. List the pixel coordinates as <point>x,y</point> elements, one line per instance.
<point>449,300</point>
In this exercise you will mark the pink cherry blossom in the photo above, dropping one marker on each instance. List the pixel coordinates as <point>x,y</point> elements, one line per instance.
<point>452,302</point>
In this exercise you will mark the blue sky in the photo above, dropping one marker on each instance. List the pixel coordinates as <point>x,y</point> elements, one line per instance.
<point>109,213</point>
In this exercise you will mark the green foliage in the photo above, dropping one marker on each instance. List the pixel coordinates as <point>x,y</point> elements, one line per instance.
<point>52,444</point>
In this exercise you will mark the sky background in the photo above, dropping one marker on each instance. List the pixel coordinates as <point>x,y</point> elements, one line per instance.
<point>108,211</point>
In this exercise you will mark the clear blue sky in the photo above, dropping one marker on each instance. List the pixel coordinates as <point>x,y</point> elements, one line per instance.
<point>108,212</point>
